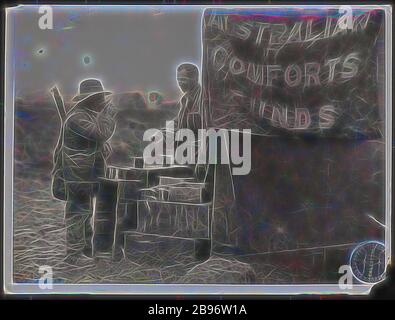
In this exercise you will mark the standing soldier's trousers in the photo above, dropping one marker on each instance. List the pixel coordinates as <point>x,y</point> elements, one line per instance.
<point>90,217</point>
<point>78,217</point>
<point>105,218</point>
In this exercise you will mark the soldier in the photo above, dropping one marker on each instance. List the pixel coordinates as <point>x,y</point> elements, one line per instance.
<point>80,157</point>
<point>191,114</point>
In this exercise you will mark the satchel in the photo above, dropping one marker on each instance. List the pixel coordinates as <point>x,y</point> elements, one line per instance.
<point>58,185</point>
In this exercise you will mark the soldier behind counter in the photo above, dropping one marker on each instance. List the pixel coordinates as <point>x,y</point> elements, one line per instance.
<point>192,111</point>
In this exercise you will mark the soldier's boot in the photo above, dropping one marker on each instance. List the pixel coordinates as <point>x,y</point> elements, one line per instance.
<point>78,233</point>
<point>103,238</point>
<point>88,238</point>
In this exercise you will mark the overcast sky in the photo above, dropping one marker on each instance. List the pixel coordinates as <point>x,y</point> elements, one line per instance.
<point>129,48</point>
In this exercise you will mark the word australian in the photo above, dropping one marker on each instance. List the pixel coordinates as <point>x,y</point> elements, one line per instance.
<point>280,34</point>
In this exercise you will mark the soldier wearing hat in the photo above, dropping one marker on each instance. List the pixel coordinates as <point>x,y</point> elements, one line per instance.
<point>81,157</point>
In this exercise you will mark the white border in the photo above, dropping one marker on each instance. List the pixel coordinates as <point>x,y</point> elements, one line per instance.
<point>185,289</point>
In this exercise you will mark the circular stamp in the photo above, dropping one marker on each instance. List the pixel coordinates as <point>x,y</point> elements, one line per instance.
<point>367,262</point>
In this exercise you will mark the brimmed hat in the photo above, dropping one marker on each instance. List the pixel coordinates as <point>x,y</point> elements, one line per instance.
<point>89,88</point>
